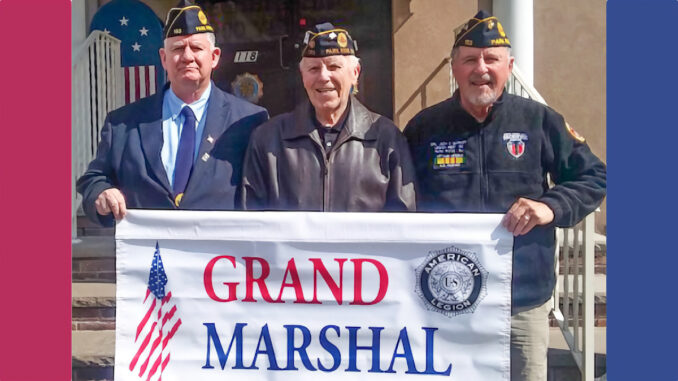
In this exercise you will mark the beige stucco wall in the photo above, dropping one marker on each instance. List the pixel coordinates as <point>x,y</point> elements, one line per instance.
<point>422,40</point>
<point>570,70</point>
<point>569,60</point>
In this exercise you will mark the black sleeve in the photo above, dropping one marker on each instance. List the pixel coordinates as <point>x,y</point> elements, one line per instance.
<point>580,178</point>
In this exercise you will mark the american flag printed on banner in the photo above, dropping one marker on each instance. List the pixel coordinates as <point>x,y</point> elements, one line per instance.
<point>140,34</point>
<point>156,327</point>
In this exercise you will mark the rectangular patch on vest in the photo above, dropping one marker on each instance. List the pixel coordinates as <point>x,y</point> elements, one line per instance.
<point>448,154</point>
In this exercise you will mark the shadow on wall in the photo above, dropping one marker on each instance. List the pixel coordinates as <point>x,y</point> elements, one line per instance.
<point>401,13</point>
<point>421,90</point>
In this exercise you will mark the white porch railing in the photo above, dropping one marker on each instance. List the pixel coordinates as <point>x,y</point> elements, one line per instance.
<point>96,89</point>
<point>576,247</point>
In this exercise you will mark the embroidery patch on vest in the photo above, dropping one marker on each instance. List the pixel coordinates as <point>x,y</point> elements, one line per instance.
<point>515,143</point>
<point>448,154</point>
<point>574,133</point>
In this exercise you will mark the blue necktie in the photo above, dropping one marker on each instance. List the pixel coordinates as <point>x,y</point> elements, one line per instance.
<point>185,153</point>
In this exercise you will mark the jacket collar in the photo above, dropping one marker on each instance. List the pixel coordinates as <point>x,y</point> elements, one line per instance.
<point>150,131</point>
<point>358,122</point>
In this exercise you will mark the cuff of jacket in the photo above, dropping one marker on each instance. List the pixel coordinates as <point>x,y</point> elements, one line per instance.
<point>559,215</point>
<point>91,210</point>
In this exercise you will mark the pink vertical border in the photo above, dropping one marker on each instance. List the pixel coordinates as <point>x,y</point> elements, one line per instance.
<point>35,167</point>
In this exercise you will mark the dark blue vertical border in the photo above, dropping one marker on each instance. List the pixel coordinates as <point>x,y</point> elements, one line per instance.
<point>35,269</point>
<point>642,125</point>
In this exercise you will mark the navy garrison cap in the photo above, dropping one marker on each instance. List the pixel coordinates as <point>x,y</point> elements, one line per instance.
<point>186,18</point>
<point>482,31</point>
<point>326,40</point>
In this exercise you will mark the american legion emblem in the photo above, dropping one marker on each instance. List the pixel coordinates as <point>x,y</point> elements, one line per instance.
<point>451,281</point>
<point>249,87</point>
<point>515,143</point>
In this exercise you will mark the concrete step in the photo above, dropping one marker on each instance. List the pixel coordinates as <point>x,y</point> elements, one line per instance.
<point>93,331</point>
<point>93,306</point>
<point>599,298</point>
<point>93,259</point>
<point>93,348</point>
<point>93,355</point>
<point>561,364</point>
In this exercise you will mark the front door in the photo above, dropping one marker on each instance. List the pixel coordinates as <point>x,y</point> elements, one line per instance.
<point>261,47</point>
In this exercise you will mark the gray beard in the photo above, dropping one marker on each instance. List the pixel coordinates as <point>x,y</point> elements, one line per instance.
<point>484,99</point>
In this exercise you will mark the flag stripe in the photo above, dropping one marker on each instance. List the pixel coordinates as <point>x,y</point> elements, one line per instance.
<point>154,368</point>
<point>151,78</point>
<point>132,85</point>
<point>139,82</point>
<point>168,315</point>
<point>156,342</point>
<point>171,333</point>
<point>142,347</point>
<point>136,80</point>
<point>164,362</point>
<point>147,80</point>
<point>143,322</point>
<point>127,85</point>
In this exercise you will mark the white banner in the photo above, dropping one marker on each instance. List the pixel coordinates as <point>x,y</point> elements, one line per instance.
<point>302,296</point>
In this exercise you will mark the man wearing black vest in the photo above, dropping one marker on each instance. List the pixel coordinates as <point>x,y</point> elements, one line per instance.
<point>484,150</point>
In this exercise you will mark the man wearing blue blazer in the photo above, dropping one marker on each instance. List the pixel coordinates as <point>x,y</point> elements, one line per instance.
<point>147,159</point>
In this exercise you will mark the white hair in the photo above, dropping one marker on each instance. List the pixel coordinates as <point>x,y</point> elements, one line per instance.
<point>353,61</point>
<point>212,39</point>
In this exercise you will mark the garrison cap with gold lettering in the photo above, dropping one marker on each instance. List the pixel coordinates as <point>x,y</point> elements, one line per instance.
<point>482,31</point>
<point>186,18</point>
<point>327,40</point>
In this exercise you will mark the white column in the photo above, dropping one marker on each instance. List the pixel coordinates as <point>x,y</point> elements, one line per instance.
<point>517,18</point>
<point>78,27</point>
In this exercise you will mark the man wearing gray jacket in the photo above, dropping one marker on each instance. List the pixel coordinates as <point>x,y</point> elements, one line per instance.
<point>331,153</point>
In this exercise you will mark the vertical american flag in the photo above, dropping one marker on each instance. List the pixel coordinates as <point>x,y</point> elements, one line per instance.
<point>157,326</point>
<point>139,82</point>
<point>140,33</point>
